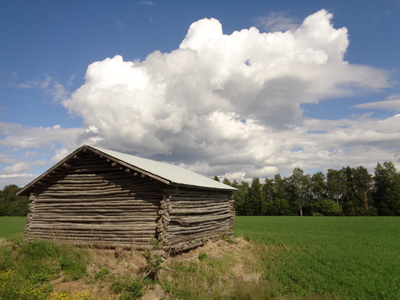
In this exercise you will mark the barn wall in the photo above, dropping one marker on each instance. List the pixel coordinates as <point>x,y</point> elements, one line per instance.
<point>191,217</point>
<point>93,201</point>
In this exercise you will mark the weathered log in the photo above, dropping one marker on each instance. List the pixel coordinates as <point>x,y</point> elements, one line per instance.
<point>177,212</point>
<point>95,199</point>
<point>98,194</point>
<point>203,204</point>
<point>129,202</point>
<point>96,209</point>
<point>88,227</point>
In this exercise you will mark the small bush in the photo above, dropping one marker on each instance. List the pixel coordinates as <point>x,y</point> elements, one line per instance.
<point>154,262</point>
<point>66,262</point>
<point>154,243</point>
<point>132,291</point>
<point>38,249</point>
<point>203,256</point>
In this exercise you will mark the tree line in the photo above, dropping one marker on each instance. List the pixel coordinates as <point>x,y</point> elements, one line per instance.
<point>348,192</point>
<point>345,192</point>
<point>11,204</point>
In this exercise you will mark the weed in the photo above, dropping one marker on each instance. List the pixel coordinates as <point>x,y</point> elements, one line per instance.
<point>132,291</point>
<point>117,287</point>
<point>5,257</point>
<point>230,241</point>
<point>203,256</point>
<point>247,238</point>
<point>101,273</point>
<point>154,262</point>
<point>167,287</point>
<point>154,243</point>
<point>66,262</point>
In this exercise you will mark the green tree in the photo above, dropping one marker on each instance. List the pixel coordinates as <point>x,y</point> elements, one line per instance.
<point>280,194</point>
<point>364,183</point>
<point>387,189</point>
<point>11,204</point>
<point>254,198</point>
<point>226,181</point>
<point>280,207</point>
<point>299,187</point>
<point>267,196</point>
<point>328,207</point>
<point>357,192</point>
<point>318,186</point>
<point>317,193</point>
<point>240,198</point>
<point>280,186</point>
<point>335,185</point>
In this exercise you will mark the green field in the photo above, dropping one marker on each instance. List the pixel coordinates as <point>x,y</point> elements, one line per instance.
<point>341,257</point>
<point>11,226</point>
<point>346,257</point>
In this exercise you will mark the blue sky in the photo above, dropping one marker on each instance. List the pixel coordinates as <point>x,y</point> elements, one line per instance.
<point>317,83</point>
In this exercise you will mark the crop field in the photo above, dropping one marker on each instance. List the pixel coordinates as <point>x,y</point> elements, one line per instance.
<point>11,226</point>
<point>343,257</point>
<point>340,257</point>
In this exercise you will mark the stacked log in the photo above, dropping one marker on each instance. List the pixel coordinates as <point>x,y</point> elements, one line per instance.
<point>232,214</point>
<point>92,201</point>
<point>163,222</point>
<point>31,206</point>
<point>96,201</point>
<point>196,216</point>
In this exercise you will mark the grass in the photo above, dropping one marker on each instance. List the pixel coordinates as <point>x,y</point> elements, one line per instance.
<point>25,273</point>
<point>286,258</point>
<point>344,257</point>
<point>11,227</point>
<point>218,271</point>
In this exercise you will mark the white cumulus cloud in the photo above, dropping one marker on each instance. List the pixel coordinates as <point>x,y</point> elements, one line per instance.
<point>230,104</point>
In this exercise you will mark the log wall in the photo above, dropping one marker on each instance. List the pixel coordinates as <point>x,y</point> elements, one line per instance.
<point>191,217</point>
<point>93,201</point>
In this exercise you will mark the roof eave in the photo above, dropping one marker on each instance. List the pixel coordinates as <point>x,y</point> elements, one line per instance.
<point>121,162</point>
<point>24,191</point>
<point>231,189</point>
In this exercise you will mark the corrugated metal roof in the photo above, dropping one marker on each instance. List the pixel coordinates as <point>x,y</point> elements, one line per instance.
<point>171,173</point>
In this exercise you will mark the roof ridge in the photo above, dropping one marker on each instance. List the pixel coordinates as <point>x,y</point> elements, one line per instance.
<point>161,171</point>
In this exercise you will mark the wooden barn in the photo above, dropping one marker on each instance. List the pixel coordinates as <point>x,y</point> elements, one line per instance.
<point>105,198</point>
